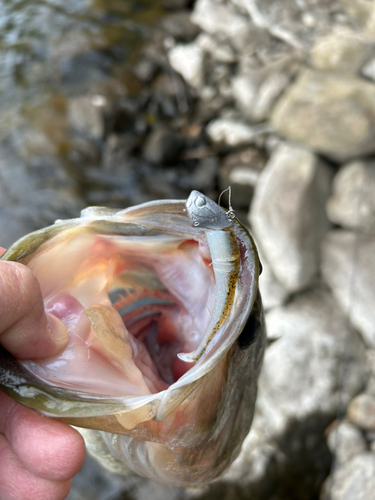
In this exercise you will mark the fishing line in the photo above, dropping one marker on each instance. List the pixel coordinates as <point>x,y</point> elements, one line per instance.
<point>341,407</point>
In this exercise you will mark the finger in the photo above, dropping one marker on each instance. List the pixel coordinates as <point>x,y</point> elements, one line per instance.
<point>49,449</point>
<point>2,250</point>
<point>25,329</point>
<point>16,482</point>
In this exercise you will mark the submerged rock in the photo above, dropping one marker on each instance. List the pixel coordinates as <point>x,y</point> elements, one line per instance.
<point>348,267</point>
<point>287,214</point>
<point>333,114</point>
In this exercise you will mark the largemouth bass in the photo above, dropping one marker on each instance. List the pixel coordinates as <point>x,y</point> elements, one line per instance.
<point>166,334</point>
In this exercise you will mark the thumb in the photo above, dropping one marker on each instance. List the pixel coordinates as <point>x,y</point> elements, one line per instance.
<point>26,330</point>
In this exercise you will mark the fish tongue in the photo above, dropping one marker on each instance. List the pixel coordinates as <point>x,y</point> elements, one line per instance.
<point>111,339</point>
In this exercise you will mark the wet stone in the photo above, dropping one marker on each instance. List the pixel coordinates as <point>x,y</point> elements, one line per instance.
<point>333,114</point>
<point>348,267</point>
<point>287,214</point>
<point>346,442</point>
<point>117,150</point>
<point>361,412</point>
<point>86,115</point>
<point>352,203</point>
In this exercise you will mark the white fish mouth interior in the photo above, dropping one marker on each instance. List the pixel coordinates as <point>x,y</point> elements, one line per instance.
<point>130,305</point>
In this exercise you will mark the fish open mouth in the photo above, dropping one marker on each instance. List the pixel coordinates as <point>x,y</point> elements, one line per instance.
<point>130,304</point>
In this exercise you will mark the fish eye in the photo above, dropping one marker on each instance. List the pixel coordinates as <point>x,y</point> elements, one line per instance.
<point>200,201</point>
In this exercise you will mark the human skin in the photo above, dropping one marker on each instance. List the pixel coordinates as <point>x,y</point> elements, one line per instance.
<point>38,456</point>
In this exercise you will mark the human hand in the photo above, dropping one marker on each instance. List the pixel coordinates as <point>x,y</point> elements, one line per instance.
<point>38,456</point>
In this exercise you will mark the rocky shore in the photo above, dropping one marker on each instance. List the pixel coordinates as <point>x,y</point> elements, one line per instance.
<point>277,99</point>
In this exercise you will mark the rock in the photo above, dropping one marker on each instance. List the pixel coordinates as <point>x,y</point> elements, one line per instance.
<point>348,268</point>
<point>255,91</point>
<point>204,176</point>
<point>343,50</point>
<point>333,114</point>
<point>180,26</point>
<point>215,17</point>
<point>86,115</point>
<point>296,23</point>
<point>287,214</point>
<point>220,52</point>
<point>352,203</point>
<point>355,480</point>
<point>117,150</point>
<point>345,442</point>
<point>234,132</point>
<point>297,397</point>
<point>241,171</point>
<point>162,146</point>
<point>188,61</point>
<point>368,69</point>
<point>363,15</point>
<point>272,292</point>
<point>361,412</point>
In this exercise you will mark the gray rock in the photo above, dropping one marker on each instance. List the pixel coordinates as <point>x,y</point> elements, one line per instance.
<point>86,114</point>
<point>362,13</point>
<point>255,91</point>
<point>234,132</point>
<point>368,69</point>
<point>188,60</point>
<point>355,480</point>
<point>345,442</point>
<point>348,268</point>
<point>298,392</point>
<point>216,17</point>
<point>296,23</point>
<point>273,293</point>
<point>333,114</point>
<point>352,203</point>
<point>287,214</point>
<point>361,412</point>
<point>342,50</point>
<point>220,52</point>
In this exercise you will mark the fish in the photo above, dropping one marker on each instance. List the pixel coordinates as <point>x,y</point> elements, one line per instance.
<point>166,335</point>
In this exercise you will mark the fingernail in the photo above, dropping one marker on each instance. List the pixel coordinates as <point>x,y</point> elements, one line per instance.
<point>58,331</point>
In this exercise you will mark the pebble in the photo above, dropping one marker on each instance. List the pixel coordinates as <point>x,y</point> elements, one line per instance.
<point>188,60</point>
<point>352,203</point>
<point>361,412</point>
<point>234,132</point>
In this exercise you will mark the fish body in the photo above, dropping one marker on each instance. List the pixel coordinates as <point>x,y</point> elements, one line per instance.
<point>136,288</point>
